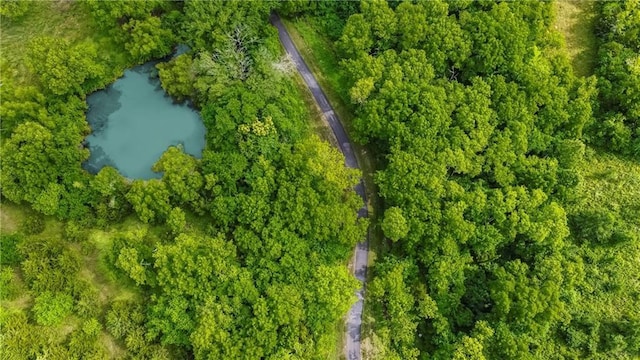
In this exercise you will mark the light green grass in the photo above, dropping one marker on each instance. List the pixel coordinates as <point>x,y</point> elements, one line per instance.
<point>611,273</point>
<point>611,182</point>
<point>575,20</point>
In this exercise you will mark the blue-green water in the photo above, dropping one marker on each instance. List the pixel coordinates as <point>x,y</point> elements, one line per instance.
<point>134,121</point>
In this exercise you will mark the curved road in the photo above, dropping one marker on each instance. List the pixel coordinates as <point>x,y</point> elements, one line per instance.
<point>354,318</point>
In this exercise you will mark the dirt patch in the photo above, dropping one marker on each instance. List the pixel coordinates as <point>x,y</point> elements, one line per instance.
<point>575,20</point>
<point>62,5</point>
<point>22,303</point>
<point>10,217</point>
<point>112,346</point>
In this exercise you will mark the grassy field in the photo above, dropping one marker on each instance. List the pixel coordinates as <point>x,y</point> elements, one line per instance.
<point>611,182</point>
<point>64,19</point>
<point>612,288</point>
<point>575,20</point>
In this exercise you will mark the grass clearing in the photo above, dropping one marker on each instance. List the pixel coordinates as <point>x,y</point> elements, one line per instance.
<point>575,20</point>
<point>612,182</point>
<point>10,215</point>
<point>612,286</point>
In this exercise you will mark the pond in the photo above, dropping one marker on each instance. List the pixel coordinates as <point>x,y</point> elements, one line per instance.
<point>134,121</point>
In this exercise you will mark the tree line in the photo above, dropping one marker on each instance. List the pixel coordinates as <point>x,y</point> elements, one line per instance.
<point>618,72</point>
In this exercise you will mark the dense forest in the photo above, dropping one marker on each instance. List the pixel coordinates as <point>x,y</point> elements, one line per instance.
<point>495,249</point>
<point>509,187</point>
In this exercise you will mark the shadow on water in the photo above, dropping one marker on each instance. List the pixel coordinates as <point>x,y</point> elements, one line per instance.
<point>134,121</point>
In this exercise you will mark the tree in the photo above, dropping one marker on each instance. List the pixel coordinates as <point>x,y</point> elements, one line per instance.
<point>26,156</point>
<point>148,39</point>
<point>178,77</point>
<point>181,176</point>
<point>51,308</point>
<point>394,224</point>
<point>150,200</point>
<point>132,264</point>
<point>207,23</point>
<point>176,221</point>
<point>63,69</point>
<point>47,202</point>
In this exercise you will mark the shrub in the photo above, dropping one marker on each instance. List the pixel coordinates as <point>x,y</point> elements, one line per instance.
<point>9,254</point>
<point>51,308</point>
<point>33,224</point>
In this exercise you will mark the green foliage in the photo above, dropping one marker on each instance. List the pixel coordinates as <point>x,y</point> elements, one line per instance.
<point>51,308</point>
<point>84,341</point>
<point>181,176</point>
<point>331,15</point>
<point>139,26</point>
<point>150,200</point>
<point>468,109</point>
<point>10,256</point>
<point>21,104</point>
<point>177,221</point>
<point>33,224</point>
<point>131,263</point>
<point>24,160</point>
<point>618,71</point>
<point>48,201</point>
<point>75,232</point>
<point>63,69</point>
<point>40,160</point>
<point>14,9</point>
<point>209,24</point>
<point>22,340</point>
<point>394,224</point>
<point>86,299</point>
<point>177,77</point>
<point>131,253</point>
<point>148,38</point>
<point>111,188</point>
<point>604,226</point>
<point>9,290</point>
<point>48,264</point>
<point>123,318</point>
<point>390,294</point>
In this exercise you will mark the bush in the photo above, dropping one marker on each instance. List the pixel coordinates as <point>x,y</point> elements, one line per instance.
<point>51,308</point>
<point>9,254</point>
<point>74,232</point>
<point>33,224</point>
<point>86,299</point>
<point>8,289</point>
